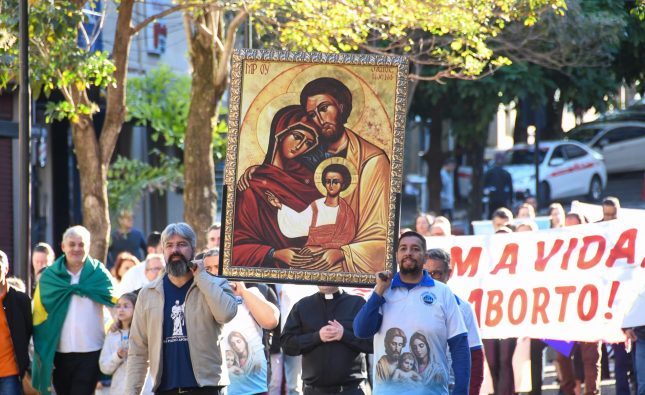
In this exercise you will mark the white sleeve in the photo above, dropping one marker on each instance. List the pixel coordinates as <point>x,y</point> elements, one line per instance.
<point>474,337</point>
<point>109,361</point>
<point>454,321</point>
<point>293,224</point>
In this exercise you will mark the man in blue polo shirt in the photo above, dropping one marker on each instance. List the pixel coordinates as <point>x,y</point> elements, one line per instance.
<point>424,316</point>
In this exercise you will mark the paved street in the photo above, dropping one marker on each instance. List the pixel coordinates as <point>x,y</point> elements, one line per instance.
<point>628,188</point>
<point>551,387</point>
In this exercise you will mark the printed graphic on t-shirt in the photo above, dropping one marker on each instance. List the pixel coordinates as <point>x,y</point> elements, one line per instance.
<point>178,323</point>
<point>244,354</point>
<point>408,362</point>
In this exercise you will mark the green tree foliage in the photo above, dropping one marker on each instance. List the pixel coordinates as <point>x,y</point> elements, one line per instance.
<point>129,180</point>
<point>160,99</point>
<point>454,37</point>
<point>57,61</point>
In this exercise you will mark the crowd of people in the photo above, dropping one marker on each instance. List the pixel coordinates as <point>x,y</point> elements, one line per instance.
<point>157,319</point>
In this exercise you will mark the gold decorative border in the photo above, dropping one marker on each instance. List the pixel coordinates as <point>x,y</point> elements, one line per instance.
<point>230,176</point>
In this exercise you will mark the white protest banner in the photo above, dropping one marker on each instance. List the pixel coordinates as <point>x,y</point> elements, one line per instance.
<point>593,212</point>
<point>575,283</point>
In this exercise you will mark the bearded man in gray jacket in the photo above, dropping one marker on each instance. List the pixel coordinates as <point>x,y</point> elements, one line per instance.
<point>176,319</point>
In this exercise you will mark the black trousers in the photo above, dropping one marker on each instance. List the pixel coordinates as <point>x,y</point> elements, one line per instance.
<point>346,390</point>
<point>76,373</point>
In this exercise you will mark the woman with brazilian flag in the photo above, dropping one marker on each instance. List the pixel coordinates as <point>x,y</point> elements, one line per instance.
<point>68,318</point>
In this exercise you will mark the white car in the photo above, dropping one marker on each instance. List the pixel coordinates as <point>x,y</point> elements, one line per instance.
<point>621,143</point>
<point>567,169</point>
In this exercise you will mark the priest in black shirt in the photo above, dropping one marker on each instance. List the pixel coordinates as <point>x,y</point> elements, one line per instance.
<point>319,327</point>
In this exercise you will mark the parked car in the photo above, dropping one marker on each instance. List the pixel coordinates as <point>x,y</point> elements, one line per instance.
<point>622,144</point>
<point>567,169</point>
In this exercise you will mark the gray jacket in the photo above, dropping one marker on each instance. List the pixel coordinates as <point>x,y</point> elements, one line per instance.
<point>209,304</point>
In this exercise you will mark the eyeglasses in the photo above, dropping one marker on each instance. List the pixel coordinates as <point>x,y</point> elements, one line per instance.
<point>436,273</point>
<point>154,269</point>
<point>181,245</point>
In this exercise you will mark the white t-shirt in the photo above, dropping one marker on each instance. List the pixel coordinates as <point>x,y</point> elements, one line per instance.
<point>468,314</point>
<point>83,327</point>
<point>247,376</point>
<point>420,322</point>
<point>474,337</point>
<point>294,224</point>
<point>133,279</point>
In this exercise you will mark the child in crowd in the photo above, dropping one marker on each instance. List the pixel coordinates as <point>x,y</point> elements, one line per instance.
<point>115,349</point>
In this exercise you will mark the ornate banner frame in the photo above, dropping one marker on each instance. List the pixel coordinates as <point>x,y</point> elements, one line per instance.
<point>313,166</point>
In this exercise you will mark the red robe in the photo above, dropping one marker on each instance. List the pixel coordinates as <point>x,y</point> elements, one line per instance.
<point>256,229</point>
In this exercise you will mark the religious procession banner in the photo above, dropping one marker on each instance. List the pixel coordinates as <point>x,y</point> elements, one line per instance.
<point>575,283</point>
<point>313,163</point>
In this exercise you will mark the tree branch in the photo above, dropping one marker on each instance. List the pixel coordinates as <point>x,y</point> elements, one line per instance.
<point>164,13</point>
<point>115,109</point>
<point>223,65</point>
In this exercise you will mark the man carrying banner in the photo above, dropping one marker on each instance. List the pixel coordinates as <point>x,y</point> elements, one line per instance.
<point>427,313</point>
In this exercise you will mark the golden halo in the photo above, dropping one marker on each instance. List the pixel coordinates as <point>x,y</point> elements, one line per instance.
<point>263,124</point>
<point>341,161</point>
<point>340,73</point>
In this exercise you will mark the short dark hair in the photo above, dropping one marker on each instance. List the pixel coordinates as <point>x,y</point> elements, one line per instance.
<point>412,233</point>
<point>504,213</point>
<point>340,169</point>
<point>45,249</point>
<point>332,87</point>
<point>611,201</point>
<point>579,217</point>
<point>440,255</point>
<point>154,239</point>
<point>215,226</point>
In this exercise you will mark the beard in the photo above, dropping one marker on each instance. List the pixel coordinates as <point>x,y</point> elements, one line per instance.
<point>177,267</point>
<point>415,269</point>
<point>331,132</point>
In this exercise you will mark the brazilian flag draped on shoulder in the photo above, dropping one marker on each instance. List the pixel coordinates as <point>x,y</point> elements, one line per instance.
<point>51,301</point>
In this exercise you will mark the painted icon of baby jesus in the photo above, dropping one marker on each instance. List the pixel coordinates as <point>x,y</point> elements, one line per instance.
<point>328,222</point>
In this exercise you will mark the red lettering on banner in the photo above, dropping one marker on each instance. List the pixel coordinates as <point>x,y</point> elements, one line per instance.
<point>471,262</point>
<point>521,294</point>
<point>583,263</point>
<point>508,259</point>
<point>565,259</point>
<point>620,250</point>
<point>539,306</point>
<point>476,296</point>
<point>612,296</point>
<point>542,260</point>
<point>593,294</point>
<point>565,292</point>
<point>494,306</point>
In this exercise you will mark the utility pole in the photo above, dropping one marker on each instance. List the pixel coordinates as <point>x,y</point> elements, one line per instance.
<point>21,266</point>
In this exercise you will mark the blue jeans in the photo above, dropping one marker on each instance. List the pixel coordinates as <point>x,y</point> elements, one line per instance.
<point>10,385</point>
<point>621,367</point>
<point>293,374</point>
<point>639,365</point>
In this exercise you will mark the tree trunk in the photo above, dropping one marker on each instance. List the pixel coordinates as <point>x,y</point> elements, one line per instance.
<point>434,159</point>
<point>475,157</point>
<point>200,199</point>
<point>93,175</point>
<point>519,130</point>
<point>553,130</point>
